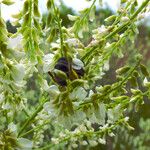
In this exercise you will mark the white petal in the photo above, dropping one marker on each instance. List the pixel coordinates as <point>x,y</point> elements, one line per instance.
<point>78,93</point>
<point>77,64</point>
<point>12,127</point>
<point>47,62</point>
<point>15,42</point>
<point>53,91</point>
<point>18,72</point>
<point>25,144</point>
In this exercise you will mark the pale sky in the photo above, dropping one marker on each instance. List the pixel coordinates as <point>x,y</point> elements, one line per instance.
<point>7,11</point>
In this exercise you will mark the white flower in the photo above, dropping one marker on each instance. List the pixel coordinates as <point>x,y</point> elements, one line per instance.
<point>77,64</point>
<point>126,119</point>
<point>111,134</point>
<point>18,72</point>
<point>53,91</point>
<point>48,108</point>
<point>107,45</point>
<point>55,45</point>
<point>93,43</point>
<point>72,41</point>
<point>80,34</point>
<point>104,127</point>
<point>114,114</point>
<point>106,66</point>
<point>6,106</point>
<point>99,32</point>
<point>78,93</point>
<point>12,127</point>
<point>74,145</point>
<point>101,114</point>
<point>88,124</point>
<point>82,128</point>
<point>84,143</point>
<point>62,135</point>
<point>55,140</point>
<point>48,62</point>
<point>145,81</point>
<point>72,18</point>
<point>1,97</point>
<point>25,144</point>
<point>102,29</point>
<point>141,16</point>
<point>125,19</point>
<point>91,93</point>
<point>76,131</point>
<point>45,85</point>
<point>102,141</point>
<point>15,42</point>
<point>92,143</point>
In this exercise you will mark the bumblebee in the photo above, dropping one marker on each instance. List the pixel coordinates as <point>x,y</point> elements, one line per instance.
<point>73,69</point>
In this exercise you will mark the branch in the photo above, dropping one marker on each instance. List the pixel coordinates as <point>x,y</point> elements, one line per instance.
<point>29,120</point>
<point>119,29</point>
<point>117,87</point>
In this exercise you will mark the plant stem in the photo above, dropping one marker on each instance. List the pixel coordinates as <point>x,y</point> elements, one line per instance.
<point>88,10</point>
<point>29,120</point>
<point>30,25</point>
<point>34,129</point>
<point>63,53</point>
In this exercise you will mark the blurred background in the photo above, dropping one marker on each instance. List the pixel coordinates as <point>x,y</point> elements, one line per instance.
<point>138,139</point>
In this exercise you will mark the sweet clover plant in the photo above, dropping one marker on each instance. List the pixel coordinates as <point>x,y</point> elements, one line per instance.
<point>71,109</point>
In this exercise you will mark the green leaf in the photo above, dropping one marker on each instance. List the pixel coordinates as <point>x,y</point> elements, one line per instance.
<point>49,19</point>
<point>92,14</point>
<point>144,70</point>
<point>51,35</point>
<point>8,2</point>
<point>2,23</point>
<point>60,74</point>
<point>106,88</point>
<point>17,16</point>
<point>110,19</point>
<point>133,81</point>
<point>136,91</point>
<point>120,98</point>
<point>36,10</point>
<point>37,25</point>
<point>123,1</point>
<point>25,7</point>
<point>77,82</point>
<point>123,70</point>
<point>26,20</point>
<point>49,4</point>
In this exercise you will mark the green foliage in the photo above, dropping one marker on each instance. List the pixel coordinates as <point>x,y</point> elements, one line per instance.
<point>82,112</point>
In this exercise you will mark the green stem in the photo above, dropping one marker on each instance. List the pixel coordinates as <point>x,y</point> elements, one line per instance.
<point>85,15</point>
<point>63,53</point>
<point>34,129</point>
<point>29,120</point>
<point>88,10</point>
<point>120,28</point>
<point>26,113</point>
<point>31,44</point>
